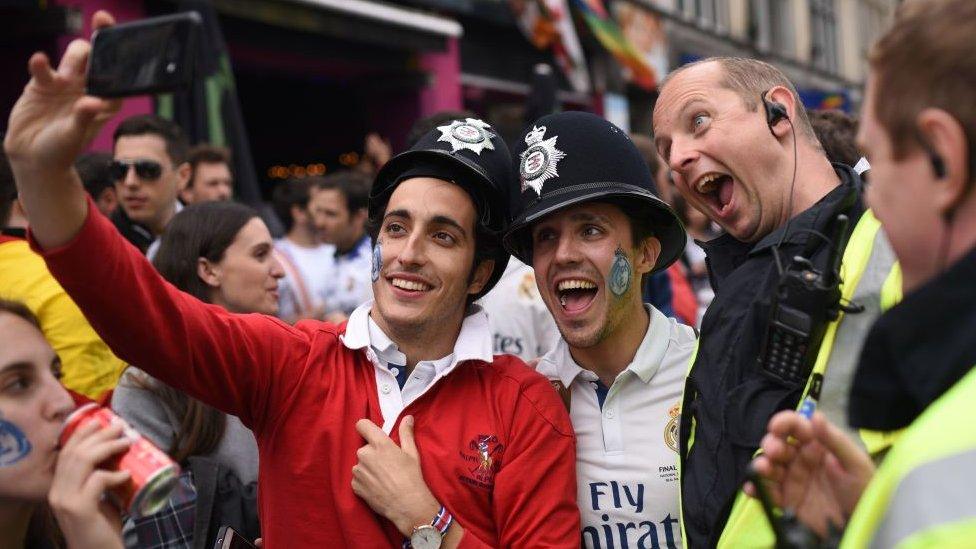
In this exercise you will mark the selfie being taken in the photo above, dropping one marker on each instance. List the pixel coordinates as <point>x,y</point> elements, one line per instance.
<point>553,273</point>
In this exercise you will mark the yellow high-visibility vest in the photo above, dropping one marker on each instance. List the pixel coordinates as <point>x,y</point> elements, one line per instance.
<point>747,526</point>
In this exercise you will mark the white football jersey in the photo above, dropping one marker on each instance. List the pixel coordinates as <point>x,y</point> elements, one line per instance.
<point>627,438</point>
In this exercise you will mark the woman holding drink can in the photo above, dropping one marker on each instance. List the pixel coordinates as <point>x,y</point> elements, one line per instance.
<point>50,496</point>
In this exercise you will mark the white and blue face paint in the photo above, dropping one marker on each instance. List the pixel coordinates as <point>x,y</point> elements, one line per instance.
<point>14,445</point>
<point>620,273</point>
<point>377,260</point>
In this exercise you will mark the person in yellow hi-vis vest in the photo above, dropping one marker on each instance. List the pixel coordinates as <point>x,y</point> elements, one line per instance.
<point>916,370</point>
<point>741,150</point>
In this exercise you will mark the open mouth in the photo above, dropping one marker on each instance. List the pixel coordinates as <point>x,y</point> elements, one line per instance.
<point>414,287</point>
<point>575,294</point>
<point>717,189</point>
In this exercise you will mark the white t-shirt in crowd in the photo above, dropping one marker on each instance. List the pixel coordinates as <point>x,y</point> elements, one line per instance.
<point>352,283</point>
<point>316,269</point>
<point>521,325</point>
<point>627,448</point>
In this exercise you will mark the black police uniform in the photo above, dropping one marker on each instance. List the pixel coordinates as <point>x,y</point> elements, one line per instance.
<point>729,398</point>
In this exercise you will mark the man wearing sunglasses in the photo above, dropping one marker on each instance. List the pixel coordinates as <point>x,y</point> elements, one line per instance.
<point>149,168</point>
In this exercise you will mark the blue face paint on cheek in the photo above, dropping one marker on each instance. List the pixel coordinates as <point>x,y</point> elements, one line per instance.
<point>14,445</point>
<point>620,273</point>
<point>377,261</point>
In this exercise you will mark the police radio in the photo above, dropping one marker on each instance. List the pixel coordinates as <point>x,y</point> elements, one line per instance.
<point>806,300</point>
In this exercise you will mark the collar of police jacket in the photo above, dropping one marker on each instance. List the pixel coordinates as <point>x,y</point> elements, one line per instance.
<point>917,351</point>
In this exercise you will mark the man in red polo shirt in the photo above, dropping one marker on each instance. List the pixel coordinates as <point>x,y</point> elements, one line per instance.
<point>494,459</point>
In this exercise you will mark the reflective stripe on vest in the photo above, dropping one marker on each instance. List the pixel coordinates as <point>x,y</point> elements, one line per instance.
<point>691,440</point>
<point>747,526</point>
<point>922,495</point>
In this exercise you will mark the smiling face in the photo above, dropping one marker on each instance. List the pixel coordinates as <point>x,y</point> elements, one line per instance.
<point>245,280</point>
<point>427,247</point>
<point>724,160</point>
<point>33,405</point>
<point>588,270</point>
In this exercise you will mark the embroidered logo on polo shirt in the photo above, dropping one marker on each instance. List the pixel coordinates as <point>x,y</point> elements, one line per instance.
<point>671,429</point>
<point>482,460</point>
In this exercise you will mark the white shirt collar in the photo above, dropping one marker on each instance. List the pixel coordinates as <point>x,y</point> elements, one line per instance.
<point>473,342</point>
<point>559,363</point>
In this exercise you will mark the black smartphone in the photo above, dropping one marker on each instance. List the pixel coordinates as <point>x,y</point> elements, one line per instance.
<point>147,56</point>
<point>228,538</point>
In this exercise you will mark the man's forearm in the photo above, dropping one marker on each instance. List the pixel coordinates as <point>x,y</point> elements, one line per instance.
<point>54,201</point>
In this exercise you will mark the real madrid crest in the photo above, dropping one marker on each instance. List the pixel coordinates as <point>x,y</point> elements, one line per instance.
<point>540,160</point>
<point>671,429</point>
<point>471,134</point>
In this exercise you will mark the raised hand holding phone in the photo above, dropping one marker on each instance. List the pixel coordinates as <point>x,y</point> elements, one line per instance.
<point>52,122</point>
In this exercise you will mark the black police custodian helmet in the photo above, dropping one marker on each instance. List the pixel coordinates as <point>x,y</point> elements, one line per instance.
<point>573,157</point>
<point>470,154</point>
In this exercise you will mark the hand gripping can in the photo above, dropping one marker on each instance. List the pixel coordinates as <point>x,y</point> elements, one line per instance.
<point>153,475</point>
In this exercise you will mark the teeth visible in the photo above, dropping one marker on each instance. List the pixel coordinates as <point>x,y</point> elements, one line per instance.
<point>706,183</point>
<point>576,285</point>
<point>410,285</point>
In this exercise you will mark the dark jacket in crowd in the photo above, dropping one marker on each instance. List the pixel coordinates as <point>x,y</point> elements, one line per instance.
<point>138,235</point>
<point>729,398</point>
<point>917,351</point>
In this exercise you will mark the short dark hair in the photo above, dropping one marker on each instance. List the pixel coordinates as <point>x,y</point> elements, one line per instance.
<point>200,230</point>
<point>96,176</point>
<point>206,153</point>
<point>354,186</point>
<point>19,309</point>
<point>837,132</point>
<point>925,60</point>
<point>177,146</point>
<point>8,188</point>
<point>289,193</point>
<point>424,125</point>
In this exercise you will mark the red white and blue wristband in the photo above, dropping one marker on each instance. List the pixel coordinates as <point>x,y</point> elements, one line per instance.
<point>442,521</point>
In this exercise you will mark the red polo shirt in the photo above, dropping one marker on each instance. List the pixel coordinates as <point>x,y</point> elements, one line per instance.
<point>301,391</point>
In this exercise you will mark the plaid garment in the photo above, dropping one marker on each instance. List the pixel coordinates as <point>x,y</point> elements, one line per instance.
<point>171,528</point>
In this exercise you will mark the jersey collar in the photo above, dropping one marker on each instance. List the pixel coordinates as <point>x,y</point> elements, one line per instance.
<point>559,364</point>
<point>473,342</point>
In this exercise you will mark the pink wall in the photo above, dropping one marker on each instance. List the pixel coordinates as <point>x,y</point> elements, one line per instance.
<point>444,91</point>
<point>123,10</point>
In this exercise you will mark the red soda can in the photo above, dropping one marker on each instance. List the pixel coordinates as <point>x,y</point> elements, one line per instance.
<point>152,474</point>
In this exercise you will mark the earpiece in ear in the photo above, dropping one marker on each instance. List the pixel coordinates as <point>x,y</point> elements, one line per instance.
<point>775,111</point>
<point>938,165</point>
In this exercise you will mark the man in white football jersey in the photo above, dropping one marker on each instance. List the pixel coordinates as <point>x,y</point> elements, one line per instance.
<point>588,222</point>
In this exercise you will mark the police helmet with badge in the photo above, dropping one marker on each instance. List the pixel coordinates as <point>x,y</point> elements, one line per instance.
<point>573,157</point>
<point>470,154</point>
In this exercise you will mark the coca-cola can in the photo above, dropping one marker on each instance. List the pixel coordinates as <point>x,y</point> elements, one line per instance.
<point>152,474</point>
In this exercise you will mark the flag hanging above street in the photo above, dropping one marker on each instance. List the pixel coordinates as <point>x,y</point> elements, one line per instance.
<point>612,38</point>
<point>548,24</point>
